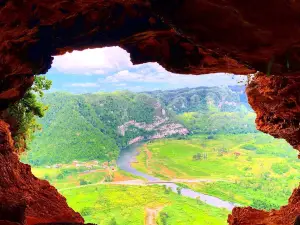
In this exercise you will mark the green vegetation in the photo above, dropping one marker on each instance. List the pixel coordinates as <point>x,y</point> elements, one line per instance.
<point>219,122</point>
<point>223,156</point>
<point>249,174</point>
<point>84,127</point>
<point>25,111</point>
<point>102,204</point>
<point>204,99</point>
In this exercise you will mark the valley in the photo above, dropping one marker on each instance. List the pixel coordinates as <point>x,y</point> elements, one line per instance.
<point>184,156</point>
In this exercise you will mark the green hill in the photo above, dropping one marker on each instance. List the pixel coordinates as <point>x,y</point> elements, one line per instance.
<point>96,126</point>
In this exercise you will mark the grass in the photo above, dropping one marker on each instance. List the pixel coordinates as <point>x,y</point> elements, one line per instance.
<point>173,158</point>
<point>258,193</point>
<point>263,175</point>
<point>127,204</point>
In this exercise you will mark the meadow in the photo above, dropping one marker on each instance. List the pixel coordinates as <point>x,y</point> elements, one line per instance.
<point>249,169</point>
<point>117,204</point>
<point>105,203</point>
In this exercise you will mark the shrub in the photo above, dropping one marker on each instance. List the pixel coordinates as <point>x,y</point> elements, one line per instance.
<point>178,189</point>
<point>250,147</point>
<point>280,168</point>
<point>47,177</point>
<point>86,211</point>
<point>60,176</point>
<point>167,189</point>
<point>112,221</point>
<point>108,178</point>
<point>263,204</point>
<point>83,182</point>
<point>163,218</point>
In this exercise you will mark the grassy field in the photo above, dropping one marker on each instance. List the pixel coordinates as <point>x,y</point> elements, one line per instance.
<point>102,204</point>
<point>250,169</point>
<point>63,178</point>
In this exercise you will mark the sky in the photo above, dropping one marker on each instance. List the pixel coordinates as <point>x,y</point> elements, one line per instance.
<point>110,69</point>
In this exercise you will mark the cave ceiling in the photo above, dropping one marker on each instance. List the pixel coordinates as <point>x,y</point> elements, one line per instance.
<point>184,36</point>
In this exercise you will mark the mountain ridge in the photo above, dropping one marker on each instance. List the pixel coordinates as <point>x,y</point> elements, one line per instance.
<point>98,125</point>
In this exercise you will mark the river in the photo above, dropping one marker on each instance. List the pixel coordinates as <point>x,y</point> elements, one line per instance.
<point>128,156</point>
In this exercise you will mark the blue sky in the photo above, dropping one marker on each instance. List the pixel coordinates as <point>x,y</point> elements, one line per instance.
<point>110,69</point>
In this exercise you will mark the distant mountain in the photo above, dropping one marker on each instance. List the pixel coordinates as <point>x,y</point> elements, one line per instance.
<point>96,126</point>
<point>225,99</point>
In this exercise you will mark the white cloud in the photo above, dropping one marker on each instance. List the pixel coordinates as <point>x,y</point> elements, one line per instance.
<point>154,73</point>
<point>84,85</point>
<point>118,72</point>
<point>93,61</point>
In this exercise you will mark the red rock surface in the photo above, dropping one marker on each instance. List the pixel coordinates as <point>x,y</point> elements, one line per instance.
<point>276,101</point>
<point>184,36</point>
<point>23,197</point>
<point>285,216</point>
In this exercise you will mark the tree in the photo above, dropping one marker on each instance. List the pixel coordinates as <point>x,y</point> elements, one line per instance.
<point>47,177</point>
<point>178,189</point>
<point>83,182</point>
<point>112,221</point>
<point>86,211</point>
<point>163,218</point>
<point>25,111</point>
<point>167,189</point>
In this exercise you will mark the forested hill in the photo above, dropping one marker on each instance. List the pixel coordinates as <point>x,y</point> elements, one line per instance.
<point>96,126</point>
<point>204,99</point>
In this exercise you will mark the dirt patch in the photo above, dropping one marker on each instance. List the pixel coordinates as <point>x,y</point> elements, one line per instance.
<point>120,177</point>
<point>151,214</point>
<point>148,155</point>
<point>148,152</point>
<point>167,172</point>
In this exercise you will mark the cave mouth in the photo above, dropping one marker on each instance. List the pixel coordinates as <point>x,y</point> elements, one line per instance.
<point>113,105</point>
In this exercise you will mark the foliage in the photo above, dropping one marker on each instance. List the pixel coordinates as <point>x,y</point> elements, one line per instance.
<point>178,189</point>
<point>83,182</point>
<point>163,218</point>
<point>86,211</point>
<point>84,127</point>
<point>249,147</point>
<point>112,221</point>
<point>280,168</point>
<point>26,110</point>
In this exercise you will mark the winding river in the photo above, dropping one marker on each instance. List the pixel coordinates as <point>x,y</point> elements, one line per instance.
<point>128,156</point>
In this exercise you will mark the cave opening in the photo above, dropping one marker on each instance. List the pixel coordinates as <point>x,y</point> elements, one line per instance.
<point>141,142</point>
<point>185,37</point>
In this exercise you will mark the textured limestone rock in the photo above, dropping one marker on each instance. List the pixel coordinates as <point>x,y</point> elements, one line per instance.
<point>276,101</point>
<point>184,36</point>
<point>285,216</point>
<point>23,197</point>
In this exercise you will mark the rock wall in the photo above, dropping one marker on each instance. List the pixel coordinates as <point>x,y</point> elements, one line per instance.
<point>23,197</point>
<point>285,216</point>
<point>276,101</point>
<point>184,36</point>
